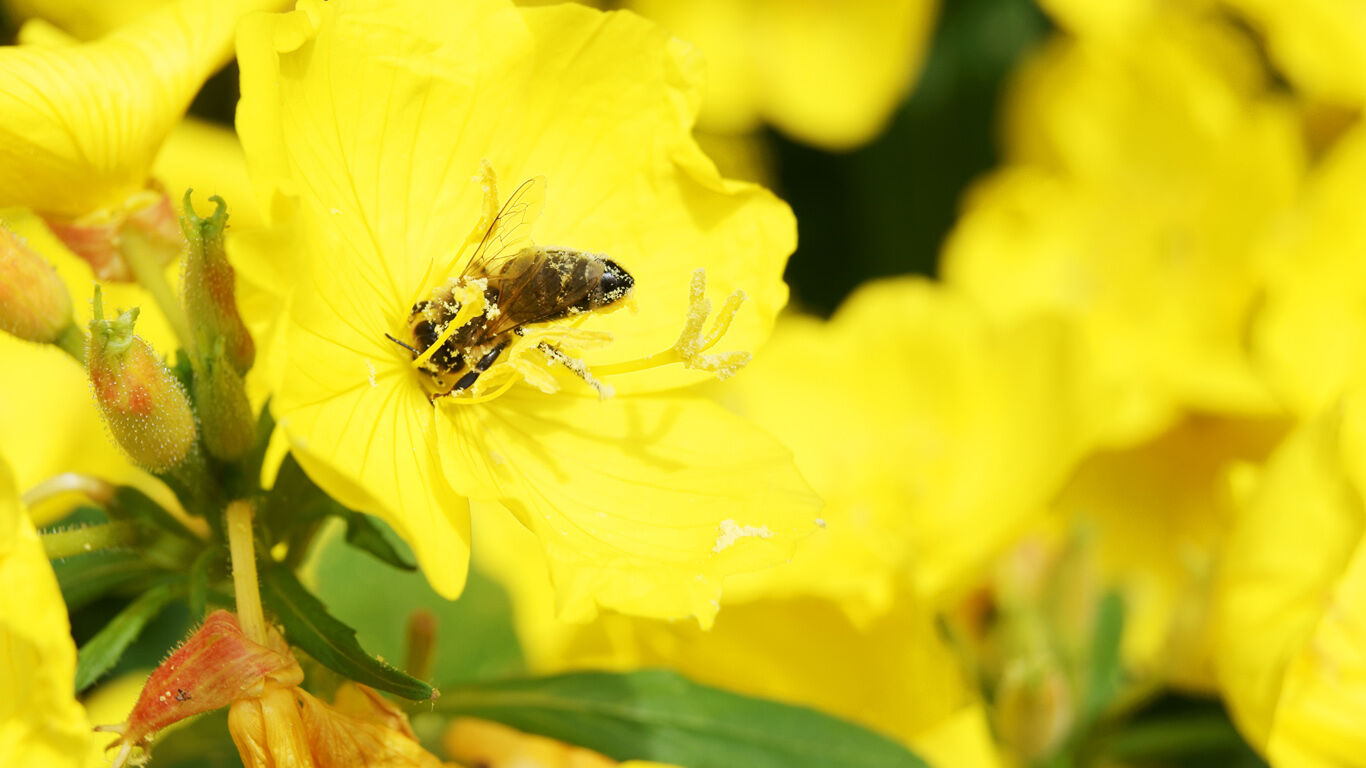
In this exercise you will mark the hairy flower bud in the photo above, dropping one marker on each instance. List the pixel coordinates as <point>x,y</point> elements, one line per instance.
<point>210,287</point>
<point>141,400</point>
<point>34,303</point>
<point>224,411</point>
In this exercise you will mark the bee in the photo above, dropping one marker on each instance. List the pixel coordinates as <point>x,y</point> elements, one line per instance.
<point>523,285</point>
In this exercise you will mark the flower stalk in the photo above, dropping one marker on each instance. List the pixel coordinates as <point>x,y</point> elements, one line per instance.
<point>245,584</point>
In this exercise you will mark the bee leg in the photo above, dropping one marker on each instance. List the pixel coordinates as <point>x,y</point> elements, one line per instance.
<point>472,376</point>
<point>575,366</point>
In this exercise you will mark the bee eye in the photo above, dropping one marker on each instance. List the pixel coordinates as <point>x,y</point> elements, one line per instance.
<point>616,282</point>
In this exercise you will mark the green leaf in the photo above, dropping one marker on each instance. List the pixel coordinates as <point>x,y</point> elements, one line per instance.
<point>198,581</point>
<point>333,644</point>
<point>294,501</point>
<point>661,716</point>
<point>364,535</point>
<point>103,650</point>
<point>476,639</point>
<point>1106,667</point>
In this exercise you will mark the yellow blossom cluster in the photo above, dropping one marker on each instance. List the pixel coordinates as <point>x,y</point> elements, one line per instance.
<point>484,284</point>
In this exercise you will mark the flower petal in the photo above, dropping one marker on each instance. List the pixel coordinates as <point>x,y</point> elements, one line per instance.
<point>377,119</point>
<point>83,122</point>
<point>39,717</point>
<point>643,504</point>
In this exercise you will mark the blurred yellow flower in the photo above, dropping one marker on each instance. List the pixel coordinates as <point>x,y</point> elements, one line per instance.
<point>827,73</point>
<point>40,721</point>
<point>84,19</point>
<point>894,674</point>
<point>1155,517</point>
<point>645,501</point>
<point>492,745</point>
<point>1320,45</point>
<point>1291,604</point>
<point>949,433</point>
<point>1143,172</point>
<point>84,121</point>
<point>1310,333</point>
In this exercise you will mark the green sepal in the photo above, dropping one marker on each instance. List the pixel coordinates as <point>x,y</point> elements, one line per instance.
<point>363,534</point>
<point>309,626</point>
<point>661,716</point>
<point>105,649</point>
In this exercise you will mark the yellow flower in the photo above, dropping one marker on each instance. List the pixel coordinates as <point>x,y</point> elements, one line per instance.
<point>827,73</point>
<point>84,19</point>
<point>40,721</point>
<point>84,121</point>
<point>1155,517</point>
<point>894,674</point>
<point>1291,607</point>
<point>1311,330</point>
<point>949,433</point>
<point>1319,44</point>
<point>375,117</point>
<point>484,743</point>
<point>1143,173</point>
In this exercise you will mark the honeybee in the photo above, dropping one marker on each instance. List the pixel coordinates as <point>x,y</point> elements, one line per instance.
<point>523,284</point>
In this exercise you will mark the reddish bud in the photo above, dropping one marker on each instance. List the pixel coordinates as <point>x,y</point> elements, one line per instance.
<point>214,667</point>
<point>34,304</point>
<point>210,290</point>
<point>141,400</point>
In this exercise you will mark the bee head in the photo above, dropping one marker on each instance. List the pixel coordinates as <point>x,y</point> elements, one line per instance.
<point>616,282</point>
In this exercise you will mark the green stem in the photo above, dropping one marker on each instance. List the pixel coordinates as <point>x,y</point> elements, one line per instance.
<point>92,538</point>
<point>143,260</point>
<point>71,340</point>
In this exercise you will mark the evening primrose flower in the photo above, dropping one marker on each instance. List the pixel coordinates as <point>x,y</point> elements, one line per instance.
<point>1311,330</point>
<point>1320,45</point>
<point>40,721</point>
<point>1290,621</point>
<point>952,432</point>
<point>827,73</point>
<point>377,118</point>
<point>1155,518</point>
<point>493,745</point>
<point>84,19</point>
<point>1143,172</point>
<point>894,674</point>
<point>84,121</point>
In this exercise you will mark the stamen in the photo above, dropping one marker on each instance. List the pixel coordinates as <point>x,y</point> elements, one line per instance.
<point>692,342</point>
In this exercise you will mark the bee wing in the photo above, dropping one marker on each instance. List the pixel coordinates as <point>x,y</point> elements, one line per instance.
<point>510,231</point>
<point>542,286</point>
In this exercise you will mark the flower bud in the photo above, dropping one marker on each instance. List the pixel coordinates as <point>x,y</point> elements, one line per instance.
<point>1035,710</point>
<point>141,400</point>
<point>34,304</point>
<point>224,411</point>
<point>146,221</point>
<point>210,294</point>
